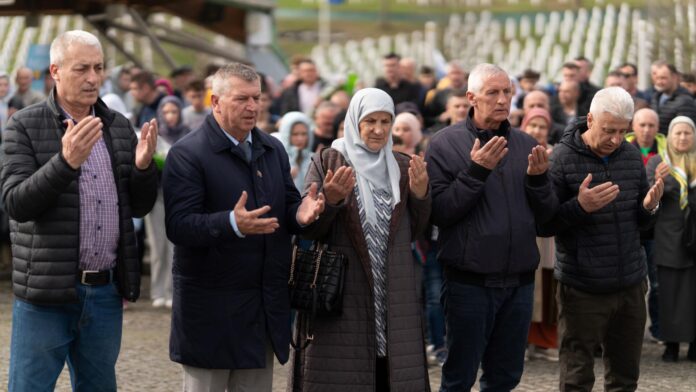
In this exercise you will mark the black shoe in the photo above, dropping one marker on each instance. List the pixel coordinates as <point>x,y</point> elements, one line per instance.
<point>671,353</point>
<point>691,355</point>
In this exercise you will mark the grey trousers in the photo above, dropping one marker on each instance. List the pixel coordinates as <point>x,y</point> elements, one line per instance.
<point>237,380</point>
<point>614,321</point>
<point>161,251</point>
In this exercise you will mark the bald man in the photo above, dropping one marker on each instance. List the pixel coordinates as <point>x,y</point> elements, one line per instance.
<point>646,138</point>
<point>23,79</point>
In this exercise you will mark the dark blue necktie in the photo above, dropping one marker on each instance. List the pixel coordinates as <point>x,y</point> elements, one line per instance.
<point>246,149</point>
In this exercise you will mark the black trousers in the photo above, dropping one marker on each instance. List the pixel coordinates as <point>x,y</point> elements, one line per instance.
<point>382,375</point>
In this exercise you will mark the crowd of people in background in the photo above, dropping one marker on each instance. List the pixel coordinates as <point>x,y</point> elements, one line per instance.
<point>467,141</point>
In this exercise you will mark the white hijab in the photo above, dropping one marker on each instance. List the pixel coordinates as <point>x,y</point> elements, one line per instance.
<point>373,170</point>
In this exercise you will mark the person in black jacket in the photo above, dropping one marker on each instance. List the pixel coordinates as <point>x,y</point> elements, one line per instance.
<point>73,176</point>
<point>604,198</point>
<point>400,89</point>
<point>489,188</point>
<point>231,207</point>
<point>670,99</point>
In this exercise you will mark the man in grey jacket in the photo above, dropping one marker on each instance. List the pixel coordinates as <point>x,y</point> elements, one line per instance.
<point>73,176</point>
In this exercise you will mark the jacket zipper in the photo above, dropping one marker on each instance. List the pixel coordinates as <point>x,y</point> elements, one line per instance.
<point>618,228</point>
<point>509,214</point>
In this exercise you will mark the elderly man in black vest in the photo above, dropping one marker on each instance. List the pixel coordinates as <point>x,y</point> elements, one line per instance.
<point>74,175</point>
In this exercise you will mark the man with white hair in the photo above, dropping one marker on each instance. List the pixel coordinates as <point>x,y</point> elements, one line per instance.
<point>489,188</point>
<point>604,199</point>
<point>73,177</point>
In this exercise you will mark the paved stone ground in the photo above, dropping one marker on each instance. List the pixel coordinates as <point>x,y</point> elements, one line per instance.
<point>144,364</point>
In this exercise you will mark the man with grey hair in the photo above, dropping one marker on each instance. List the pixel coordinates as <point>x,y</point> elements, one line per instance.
<point>489,188</point>
<point>74,175</point>
<point>231,207</point>
<point>604,199</point>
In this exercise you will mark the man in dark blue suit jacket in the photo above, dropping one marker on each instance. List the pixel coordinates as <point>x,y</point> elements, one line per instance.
<point>231,207</point>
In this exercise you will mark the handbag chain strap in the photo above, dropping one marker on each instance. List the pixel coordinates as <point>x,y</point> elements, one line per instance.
<point>291,281</point>
<point>317,263</point>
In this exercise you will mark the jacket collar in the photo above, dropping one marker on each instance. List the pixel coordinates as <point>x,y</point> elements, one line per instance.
<point>572,137</point>
<point>486,134</point>
<point>100,109</point>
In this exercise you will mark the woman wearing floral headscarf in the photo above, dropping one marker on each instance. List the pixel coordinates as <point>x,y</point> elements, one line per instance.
<point>376,202</point>
<point>296,134</point>
<point>675,267</point>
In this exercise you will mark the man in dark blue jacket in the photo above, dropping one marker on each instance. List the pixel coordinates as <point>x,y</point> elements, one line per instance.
<point>489,188</point>
<point>604,199</point>
<point>231,206</point>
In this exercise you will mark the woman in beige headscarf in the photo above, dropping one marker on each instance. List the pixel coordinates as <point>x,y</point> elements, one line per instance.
<point>376,202</point>
<point>676,270</point>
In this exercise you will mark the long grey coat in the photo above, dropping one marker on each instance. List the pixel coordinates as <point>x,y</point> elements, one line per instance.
<point>342,355</point>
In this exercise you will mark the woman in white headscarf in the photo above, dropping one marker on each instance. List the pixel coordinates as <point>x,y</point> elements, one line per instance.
<point>376,202</point>
<point>296,134</point>
<point>408,128</point>
<point>676,268</point>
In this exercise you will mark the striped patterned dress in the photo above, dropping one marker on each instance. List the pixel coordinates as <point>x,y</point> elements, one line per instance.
<point>377,237</point>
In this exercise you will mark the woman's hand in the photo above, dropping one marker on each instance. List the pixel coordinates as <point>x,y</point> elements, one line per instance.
<point>337,186</point>
<point>418,177</point>
<point>661,171</point>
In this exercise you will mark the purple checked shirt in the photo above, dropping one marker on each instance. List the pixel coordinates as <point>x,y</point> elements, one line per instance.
<point>99,216</point>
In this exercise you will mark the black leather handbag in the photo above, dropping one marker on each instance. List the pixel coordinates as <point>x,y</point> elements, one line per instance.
<point>316,284</point>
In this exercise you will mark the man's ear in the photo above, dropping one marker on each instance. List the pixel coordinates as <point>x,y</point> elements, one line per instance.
<point>214,102</point>
<point>472,98</point>
<point>53,70</point>
<point>589,120</point>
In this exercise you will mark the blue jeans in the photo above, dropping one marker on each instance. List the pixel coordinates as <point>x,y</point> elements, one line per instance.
<point>432,286</point>
<point>486,326</point>
<point>87,334</point>
<point>653,306</point>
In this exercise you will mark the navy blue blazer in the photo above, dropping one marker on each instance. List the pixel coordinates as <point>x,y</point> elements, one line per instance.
<point>230,293</point>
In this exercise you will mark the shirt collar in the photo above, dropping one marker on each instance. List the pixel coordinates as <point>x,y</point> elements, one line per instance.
<point>235,141</point>
<point>69,117</point>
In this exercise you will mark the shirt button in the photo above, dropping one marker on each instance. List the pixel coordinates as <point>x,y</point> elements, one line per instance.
<point>98,201</point>
<point>98,227</point>
<point>95,176</point>
<point>96,253</point>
